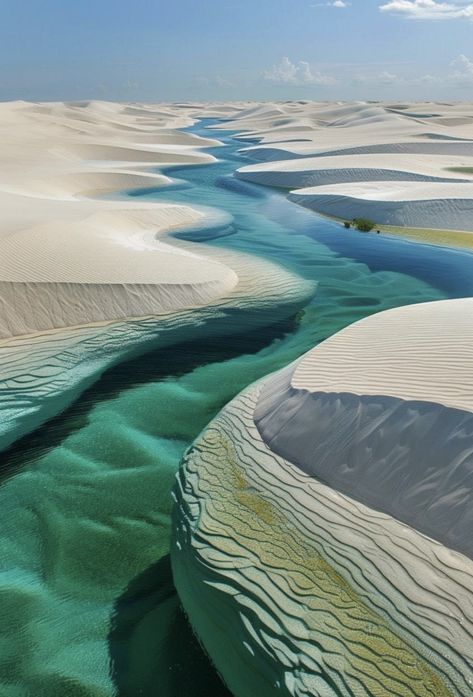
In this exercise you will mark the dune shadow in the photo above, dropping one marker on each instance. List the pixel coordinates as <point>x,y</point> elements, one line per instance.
<point>153,650</point>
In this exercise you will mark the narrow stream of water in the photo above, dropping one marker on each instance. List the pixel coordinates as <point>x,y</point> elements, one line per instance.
<point>86,596</point>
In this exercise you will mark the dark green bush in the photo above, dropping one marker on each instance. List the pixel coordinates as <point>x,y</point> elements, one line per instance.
<point>363,224</point>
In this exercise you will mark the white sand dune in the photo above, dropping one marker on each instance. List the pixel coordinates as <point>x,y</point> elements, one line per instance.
<point>322,171</point>
<point>372,357</point>
<point>319,145</point>
<point>292,150</point>
<point>86,281</point>
<point>412,204</point>
<point>67,259</point>
<point>325,515</point>
<point>100,269</point>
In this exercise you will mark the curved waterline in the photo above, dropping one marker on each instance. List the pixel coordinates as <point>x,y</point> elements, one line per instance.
<point>85,500</point>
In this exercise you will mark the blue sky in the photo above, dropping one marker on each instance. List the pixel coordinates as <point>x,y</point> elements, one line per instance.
<point>160,50</point>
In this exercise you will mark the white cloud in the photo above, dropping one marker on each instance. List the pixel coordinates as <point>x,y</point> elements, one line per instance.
<point>463,65</point>
<point>462,71</point>
<point>333,3</point>
<point>384,78</point>
<point>223,82</point>
<point>300,73</point>
<point>429,9</point>
<point>213,80</point>
<point>462,74</point>
<point>459,72</point>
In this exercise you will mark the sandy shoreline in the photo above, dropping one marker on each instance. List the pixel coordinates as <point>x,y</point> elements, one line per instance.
<point>325,516</point>
<point>69,259</point>
<point>286,524</point>
<point>399,165</point>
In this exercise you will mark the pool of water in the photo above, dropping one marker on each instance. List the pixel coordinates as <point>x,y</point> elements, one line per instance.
<point>87,601</point>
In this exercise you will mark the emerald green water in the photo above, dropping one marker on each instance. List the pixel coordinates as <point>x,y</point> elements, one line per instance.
<point>86,596</point>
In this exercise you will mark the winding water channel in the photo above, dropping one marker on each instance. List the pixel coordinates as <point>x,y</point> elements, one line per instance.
<point>86,595</point>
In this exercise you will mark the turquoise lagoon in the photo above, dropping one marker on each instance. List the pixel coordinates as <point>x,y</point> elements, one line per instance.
<point>87,601</point>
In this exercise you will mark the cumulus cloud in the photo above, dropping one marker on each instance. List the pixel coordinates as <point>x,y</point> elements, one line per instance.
<point>460,73</point>
<point>429,9</point>
<point>300,73</point>
<point>463,65</point>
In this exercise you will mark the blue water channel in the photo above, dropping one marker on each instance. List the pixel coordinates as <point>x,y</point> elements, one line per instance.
<point>86,594</point>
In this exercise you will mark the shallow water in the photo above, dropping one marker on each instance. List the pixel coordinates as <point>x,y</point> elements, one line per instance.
<point>86,597</point>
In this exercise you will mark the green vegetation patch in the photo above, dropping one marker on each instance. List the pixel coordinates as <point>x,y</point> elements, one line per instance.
<point>460,170</point>
<point>363,224</point>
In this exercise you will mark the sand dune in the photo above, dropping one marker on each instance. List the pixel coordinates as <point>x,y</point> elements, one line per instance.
<point>287,529</point>
<point>292,150</point>
<point>322,171</point>
<point>319,145</point>
<point>412,204</point>
<point>115,153</point>
<point>100,269</point>
<point>87,280</point>
<point>69,259</point>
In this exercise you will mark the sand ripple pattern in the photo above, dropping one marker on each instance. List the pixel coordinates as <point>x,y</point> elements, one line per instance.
<point>323,595</point>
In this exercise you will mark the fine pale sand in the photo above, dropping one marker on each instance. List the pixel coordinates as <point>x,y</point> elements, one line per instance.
<point>325,515</point>
<point>88,274</point>
<point>398,164</point>
<point>71,255</point>
<point>430,360</point>
<point>286,529</point>
<point>68,259</point>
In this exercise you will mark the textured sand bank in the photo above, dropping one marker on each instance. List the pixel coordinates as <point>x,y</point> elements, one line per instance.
<point>67,259</point>
<point>358,158</point>
<point>328,591</point>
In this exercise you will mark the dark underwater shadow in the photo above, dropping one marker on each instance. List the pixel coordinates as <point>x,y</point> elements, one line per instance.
<point>162,363</point>
<point>153,650</point>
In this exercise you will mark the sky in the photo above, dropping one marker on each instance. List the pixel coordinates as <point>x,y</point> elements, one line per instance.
<point>223,50</point>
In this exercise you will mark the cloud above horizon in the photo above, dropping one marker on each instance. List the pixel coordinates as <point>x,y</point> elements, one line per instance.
<point>458,72</point>
<point>429,9</point>
<point>299,73</point>
<point>333,3</point>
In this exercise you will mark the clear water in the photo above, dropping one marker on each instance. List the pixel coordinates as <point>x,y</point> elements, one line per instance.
<point>86,596</point>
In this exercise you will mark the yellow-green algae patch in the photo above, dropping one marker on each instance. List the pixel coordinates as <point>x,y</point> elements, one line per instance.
<point>459,239</point>
<point>351,633</point>
<point>443,238</point>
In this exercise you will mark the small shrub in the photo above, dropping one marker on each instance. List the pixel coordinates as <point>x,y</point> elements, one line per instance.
<point>346,224</point>
<point>363,224</point>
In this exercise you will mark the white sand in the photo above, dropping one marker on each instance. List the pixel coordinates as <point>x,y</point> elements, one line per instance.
<point>417,352</point>
<point>383,411</point>
<point>309,171</point>
<point>86,282</point>
<point>414,204</point>
<point>332,148</point>
<point>67,259</point>
<point>318,515</point>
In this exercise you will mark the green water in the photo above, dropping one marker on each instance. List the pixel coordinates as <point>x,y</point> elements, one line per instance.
<point>86,597</point>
